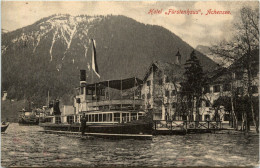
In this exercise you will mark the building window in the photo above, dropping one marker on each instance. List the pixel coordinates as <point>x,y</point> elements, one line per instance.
<point>167,80</point>
<point>149,96</point>
<point>173,105</point>
<point>254,72</point>
<point>226,87</point>
<point>199,103</point>
<point>189,104</point>
<point>160,81</point>
<point>173,93</point>
<point>200,117</point>
<point>206,117</point>
<point>158,102</point>
<point>226,117</point>
<point>216,88</point>
<point>239,90</point>
<point>148,105</point>
<point>148,83</point>
<point>57,120</point>
<point>167,93</point>
<point>102,92</point>
<point>239,75</point>
<point>207,103</point>
<point>207,89</point>
<point>254,89</point>
<point>70,119</point>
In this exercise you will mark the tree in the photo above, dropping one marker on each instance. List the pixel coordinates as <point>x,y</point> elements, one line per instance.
<point>244,43</point>
<point>191,87</point>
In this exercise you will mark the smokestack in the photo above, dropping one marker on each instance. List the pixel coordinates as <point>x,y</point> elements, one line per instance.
<point>83,75</point>
<point>83,83</point>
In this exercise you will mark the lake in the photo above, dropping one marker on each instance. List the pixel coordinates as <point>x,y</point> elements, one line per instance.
<point>27,146</point>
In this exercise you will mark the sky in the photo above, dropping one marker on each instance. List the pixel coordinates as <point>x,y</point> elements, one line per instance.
<point>195,29</point>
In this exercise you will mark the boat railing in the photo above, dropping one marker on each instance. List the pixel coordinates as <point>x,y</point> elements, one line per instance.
<point>115,102</point>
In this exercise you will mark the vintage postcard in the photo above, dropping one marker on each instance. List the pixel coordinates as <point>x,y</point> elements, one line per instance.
<point>129,84</point>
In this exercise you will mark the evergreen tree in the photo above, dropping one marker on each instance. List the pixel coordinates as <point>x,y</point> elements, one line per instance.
<point>191,87</point>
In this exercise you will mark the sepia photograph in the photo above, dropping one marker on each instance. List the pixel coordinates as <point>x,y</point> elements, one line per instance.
<point>129,83</point>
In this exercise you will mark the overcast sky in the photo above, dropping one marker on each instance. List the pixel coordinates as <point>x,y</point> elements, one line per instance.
<point>194,29</point>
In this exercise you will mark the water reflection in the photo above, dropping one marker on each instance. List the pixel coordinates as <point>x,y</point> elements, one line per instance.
<point>26,146</point>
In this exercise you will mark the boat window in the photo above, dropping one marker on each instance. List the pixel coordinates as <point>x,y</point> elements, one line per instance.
<point>89,92</point>
<point>124,117</point>
<point>133,116</point>
<point>109,117</point>
<point>92,119</point>
<point>87,118</point>
<point>127,116</point>
<point>104,117</point>
<point>100,117</point>
<point>102,92</point>
<point>117,117</point>
<point>96,117</point>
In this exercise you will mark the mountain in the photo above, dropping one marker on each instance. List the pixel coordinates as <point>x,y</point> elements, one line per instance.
<point>4,31</point>
<point>47,55</point>
<point>206,51</point>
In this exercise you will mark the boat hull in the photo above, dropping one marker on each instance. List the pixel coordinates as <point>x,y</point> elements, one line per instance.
<point>4,127</point>
<point>127,128</point>
<point>23,121</point>
<point>119,129</point>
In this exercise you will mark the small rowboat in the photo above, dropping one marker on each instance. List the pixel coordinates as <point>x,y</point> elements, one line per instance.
<point>4,126</point>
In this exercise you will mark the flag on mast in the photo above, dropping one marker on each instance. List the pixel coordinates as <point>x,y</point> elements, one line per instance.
<point>94,58</point>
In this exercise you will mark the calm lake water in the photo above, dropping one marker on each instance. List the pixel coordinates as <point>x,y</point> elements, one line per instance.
<point>26,146</point>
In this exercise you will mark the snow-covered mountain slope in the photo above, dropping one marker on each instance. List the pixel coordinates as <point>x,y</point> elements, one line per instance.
<point>48,54</point>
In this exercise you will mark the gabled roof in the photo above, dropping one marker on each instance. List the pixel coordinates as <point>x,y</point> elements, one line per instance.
<point>167,68</point>
<point>223,74</point>
<point>219,75</point>
<point>242,61</point>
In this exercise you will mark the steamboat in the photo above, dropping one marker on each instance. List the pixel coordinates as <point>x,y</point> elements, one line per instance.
<point>111,109</point>
<point>28,118</point>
